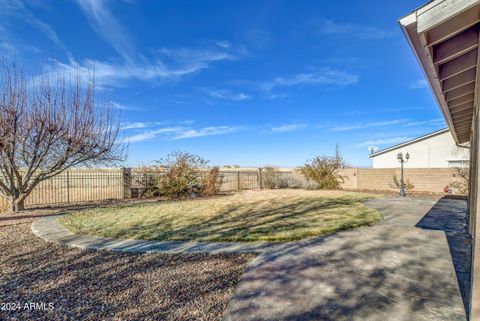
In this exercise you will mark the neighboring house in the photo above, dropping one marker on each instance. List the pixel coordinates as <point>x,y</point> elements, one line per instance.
<point>434,150</point>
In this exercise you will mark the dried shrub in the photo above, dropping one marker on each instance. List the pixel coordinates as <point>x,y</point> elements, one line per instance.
<point>296,181</point>
<point>182,175</point>
<point>270,177</point>
<point>212,182</point>
<point>147,180</point>
<point>461,184</point>
<point>325,171</point>
<point>407,185</point>
<point>274,179</point>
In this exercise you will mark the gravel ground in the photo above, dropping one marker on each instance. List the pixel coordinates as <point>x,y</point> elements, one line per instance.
<point>99,285</point>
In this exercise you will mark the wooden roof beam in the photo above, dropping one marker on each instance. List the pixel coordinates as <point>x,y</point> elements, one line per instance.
<point>464,132</point>
<point>458,65</point>
<point>461,100</point>
<point>456,46</point>
<point>460,108</point>
<point>460,91</point>
<point>459,80</point>
<point>459,124</point>
<point>464,117</point>
<point>464,127</point>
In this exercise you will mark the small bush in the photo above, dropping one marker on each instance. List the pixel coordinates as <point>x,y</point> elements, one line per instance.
<point>274,179</point>
<point>147,181</point>
<point>407,185</point>
<point>182,177</point>
<point>309,184</point>
<point>296,181</point>
<point>212,182</point>
<point>270,177</point>
<point>462,183</point>
<point>287,182</point>
<point>324,170</point>
<point>150,184</point>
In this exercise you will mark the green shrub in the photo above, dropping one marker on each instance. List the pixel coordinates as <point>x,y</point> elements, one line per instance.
<point>325,171</point>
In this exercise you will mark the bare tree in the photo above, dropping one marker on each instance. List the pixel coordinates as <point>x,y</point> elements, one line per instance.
<point>47,125</point>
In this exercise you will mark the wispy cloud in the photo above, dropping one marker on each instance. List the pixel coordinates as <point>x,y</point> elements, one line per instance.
<point>384,141</point>
<point>179,132</point>
<point>150,134</point>
<point>326,76</point>
<point>135,125</point>
<point>165,63</point>
<point>328,27</point>
<point>226,94</point>
<point>116,73</point>
<point>365,125</point>
<point>436,122</point>
<point>199,55</point>
<point>207,131</point>
<point>108,27</point>
<point>418,84</point>
<point>19,9</point>
<point>224,44</point>
<point>287,128</point>
<point>370,110</point>
<point>120,106</point>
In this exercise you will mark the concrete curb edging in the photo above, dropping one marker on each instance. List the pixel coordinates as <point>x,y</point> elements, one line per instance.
<point>50,230</point>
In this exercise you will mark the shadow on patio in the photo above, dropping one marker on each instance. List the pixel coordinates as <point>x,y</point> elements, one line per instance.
<point>451,216</point>
<point>392,270</point>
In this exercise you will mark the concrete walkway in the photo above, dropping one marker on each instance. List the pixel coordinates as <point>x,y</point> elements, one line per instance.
<point>390,271</point>
<point>50,230</point>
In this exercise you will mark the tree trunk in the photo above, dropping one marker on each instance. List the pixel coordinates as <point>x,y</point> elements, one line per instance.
<point>17,204</point>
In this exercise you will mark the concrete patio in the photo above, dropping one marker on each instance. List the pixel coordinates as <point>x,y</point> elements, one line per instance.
<point>414,265</point>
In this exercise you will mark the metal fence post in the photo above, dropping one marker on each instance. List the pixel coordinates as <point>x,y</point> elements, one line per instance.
<point>260,178</point>
<point>68,187</point>
<point>127,182</point>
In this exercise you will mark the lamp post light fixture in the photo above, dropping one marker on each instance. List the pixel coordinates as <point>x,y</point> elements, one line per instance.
<point>402,160</point>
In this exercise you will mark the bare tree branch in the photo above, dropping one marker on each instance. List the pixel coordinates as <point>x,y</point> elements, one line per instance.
<point>48,125</point>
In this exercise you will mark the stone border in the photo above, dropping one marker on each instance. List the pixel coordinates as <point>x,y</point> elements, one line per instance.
<point>50,230</point>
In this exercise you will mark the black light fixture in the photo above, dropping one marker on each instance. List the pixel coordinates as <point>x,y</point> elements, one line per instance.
<point>402,160</point>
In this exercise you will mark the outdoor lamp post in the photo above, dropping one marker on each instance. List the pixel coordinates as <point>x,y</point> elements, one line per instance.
<point>402,160</point>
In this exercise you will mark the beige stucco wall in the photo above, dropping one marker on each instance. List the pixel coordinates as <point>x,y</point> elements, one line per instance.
<point>432,180</point>
<point>433,152</point>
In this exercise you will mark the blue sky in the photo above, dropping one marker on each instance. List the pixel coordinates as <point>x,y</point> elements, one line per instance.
<point>237,82</point>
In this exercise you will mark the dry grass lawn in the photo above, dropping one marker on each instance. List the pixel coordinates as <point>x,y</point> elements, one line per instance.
<point>267,215</point>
